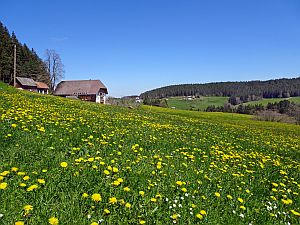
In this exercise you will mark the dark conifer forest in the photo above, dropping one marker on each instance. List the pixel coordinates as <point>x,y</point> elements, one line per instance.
<point>241,91</point>
<point>29,64</point>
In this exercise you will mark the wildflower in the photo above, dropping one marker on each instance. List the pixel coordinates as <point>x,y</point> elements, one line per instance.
<point>22,185</point>
<point>242,207</point>
<point>295,212</point>
<point>120,180</point>
<point>174,216</point>
<point>53,221</point>
<point>126,189</point>
<point>112,200</point>
<point>240,200</point>
<point>203,212</point>
<point>153,200</point>
<point>14,169</point>
<point>115,169</point>
<point>106,211</point>
<point>96,197</point>
<point>287,201</point>
<point>142,221</point>
<point>179,183</point>
<point>26,178</point>
<point>3,185</point>
<point>128,205</point>
<point>142,193</point>
<point>106,172</point>
<point>184,189</point>
<point>32,187</point>
<point>217,194</point>
<point>199,216</point>
<point>229,197</point>
<point>27,208</point>
<point>64,164</point>
<point>41,181</point>
<point>85,195</point>
<point>116,183</point>
<point>94,223</point>
<point>19,223</point>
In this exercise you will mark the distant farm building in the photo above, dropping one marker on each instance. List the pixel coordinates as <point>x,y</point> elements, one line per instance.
<point>29,84</point>
<point>86,90</point>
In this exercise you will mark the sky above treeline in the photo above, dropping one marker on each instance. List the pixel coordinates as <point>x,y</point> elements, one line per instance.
<point>136,45</point>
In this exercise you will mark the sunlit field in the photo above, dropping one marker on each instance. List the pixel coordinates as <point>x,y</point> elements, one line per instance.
<point>71,162</point>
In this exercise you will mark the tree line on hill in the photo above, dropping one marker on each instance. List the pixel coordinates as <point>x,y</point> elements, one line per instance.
<point>238,91</point>
<point>28,63</point>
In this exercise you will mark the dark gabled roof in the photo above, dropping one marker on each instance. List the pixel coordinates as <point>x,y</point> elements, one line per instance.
<point>41,85</point>
<point>24,81</point>
<point>79,87</point>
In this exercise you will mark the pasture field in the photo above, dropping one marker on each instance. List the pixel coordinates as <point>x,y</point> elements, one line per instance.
<point>71,162</point>
<point>196,104</point>
<point>265,101</point>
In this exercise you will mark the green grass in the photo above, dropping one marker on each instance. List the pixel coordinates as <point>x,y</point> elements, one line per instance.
<point>196,104</point>
<point>163,166</point>
<point>265,101</point>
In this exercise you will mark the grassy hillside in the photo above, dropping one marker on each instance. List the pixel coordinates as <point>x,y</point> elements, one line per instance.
<point>197,103</point>
<point>265,101</point>
<point>72,162</point>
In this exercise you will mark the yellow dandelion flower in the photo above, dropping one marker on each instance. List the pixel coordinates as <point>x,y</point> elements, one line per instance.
<point>199,216</point>
<point>106,211</point>
<point>229,197</point>
<point>32,187</point>
<point>53,221</point>
<point>115,169</point>
<point>116,183</point>
<point>128,205</point>
<point>142,193</point>
<point>106,172</point>
<point>3,185</point>
<point>242,207</point>
<point>85,195</point>
<point>22,185</point>
<point>142,221</point>
<point>26,178</point>
<point>295,212</point>
<point>27,208</point>
<point>127,189</point>
<point>120,180</point>
<point>64,164</point>
<point>184,189</point>
<point>19,223</point>
<point>96,197</point>
<point>41,181</point>
<point>94,223</point>
<point>217,194</point>
<point>179,183</point>
<point>240,200</point>
<point>112,200</point>
<point>153,200</point>
<point>203,212</point>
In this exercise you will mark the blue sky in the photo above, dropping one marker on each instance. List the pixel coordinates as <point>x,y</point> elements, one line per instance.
<point>136,45</point>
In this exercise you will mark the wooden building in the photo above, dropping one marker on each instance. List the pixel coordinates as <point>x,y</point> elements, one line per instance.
<point>86,90</point>
<point>29,84</point>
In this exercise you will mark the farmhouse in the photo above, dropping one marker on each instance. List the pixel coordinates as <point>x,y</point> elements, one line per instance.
<point>29,84</point>
<point>87,90</point>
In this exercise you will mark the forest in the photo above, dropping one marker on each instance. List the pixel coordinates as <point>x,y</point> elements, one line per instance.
<point>238,91</point>
<point>28,63</point>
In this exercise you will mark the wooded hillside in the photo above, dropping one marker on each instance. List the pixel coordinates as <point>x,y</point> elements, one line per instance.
<point>251,89</point>
<point>28,62</point>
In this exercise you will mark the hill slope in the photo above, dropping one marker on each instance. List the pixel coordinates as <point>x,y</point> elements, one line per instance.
<point>80,163</point>
<point>252,89</point>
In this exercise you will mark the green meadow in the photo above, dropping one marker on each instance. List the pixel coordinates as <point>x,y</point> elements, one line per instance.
<point>196,104</point>
<point>70,162</point>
